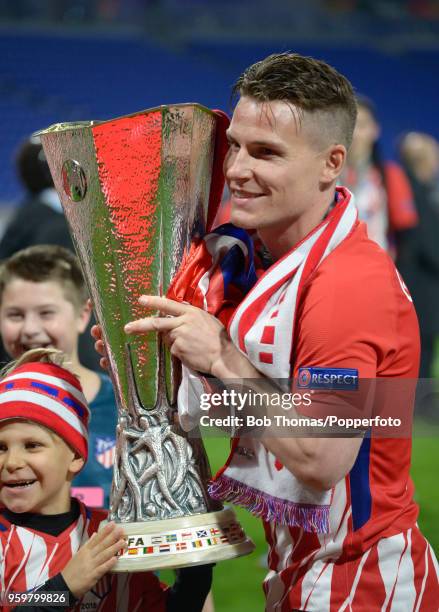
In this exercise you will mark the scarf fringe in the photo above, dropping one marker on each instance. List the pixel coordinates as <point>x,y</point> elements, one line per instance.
<point>311,518</point>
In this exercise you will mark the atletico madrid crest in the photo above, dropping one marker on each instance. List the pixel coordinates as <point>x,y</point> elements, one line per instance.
<point>105,451</point>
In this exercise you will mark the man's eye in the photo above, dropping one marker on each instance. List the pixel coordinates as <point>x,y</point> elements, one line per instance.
<point>3,448</point>
<point>15,316</point>
<point>47,313</point>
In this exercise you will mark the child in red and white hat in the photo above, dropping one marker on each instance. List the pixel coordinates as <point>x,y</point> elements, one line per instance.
<point>49,540</point>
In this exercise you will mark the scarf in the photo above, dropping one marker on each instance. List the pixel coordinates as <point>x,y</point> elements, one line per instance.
<point>215,275</point>
<point>253,477</point>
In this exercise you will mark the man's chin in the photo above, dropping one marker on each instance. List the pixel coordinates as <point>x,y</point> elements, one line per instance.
<point>243,223</point>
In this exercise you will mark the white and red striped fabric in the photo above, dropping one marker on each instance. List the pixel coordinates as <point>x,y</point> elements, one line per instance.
<point>28,558</point>
<point>355,313</point>
<point>51,396</point>
<point>352,311</point>
<point>316,573</point>
<point>263,328</point>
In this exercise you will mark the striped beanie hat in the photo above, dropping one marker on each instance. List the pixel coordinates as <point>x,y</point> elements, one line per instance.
<point>49,395</point>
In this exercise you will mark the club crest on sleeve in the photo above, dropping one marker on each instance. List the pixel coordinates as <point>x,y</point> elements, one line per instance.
<point>345,379</point>
<point>105,449</point>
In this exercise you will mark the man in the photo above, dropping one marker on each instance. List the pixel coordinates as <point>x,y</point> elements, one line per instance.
<point>39,219</point>
<point>338,512</point>
<point>382,191</point>
<point>420,156</point>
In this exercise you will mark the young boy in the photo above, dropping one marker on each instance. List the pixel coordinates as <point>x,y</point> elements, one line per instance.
<point>43,302</point>
<point>48,539</point>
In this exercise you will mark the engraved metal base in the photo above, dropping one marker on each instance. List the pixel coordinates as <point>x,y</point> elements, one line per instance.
<point>182,542</point>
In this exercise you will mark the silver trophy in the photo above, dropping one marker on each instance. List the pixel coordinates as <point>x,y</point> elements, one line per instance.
<point>135,191</point>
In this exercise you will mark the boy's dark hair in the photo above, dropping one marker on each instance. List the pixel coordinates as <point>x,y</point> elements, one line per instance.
<point>308,84</point>
<point>32,167</point>
<point>46,262</point>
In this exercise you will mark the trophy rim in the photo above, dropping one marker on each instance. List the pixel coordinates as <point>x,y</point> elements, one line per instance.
<point>190,559</point>
<point>157,560</point>
<point>86,124</point>
<point>182,522</point>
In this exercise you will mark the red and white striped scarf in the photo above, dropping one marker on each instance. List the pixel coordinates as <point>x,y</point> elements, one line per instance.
<point>262,328</point>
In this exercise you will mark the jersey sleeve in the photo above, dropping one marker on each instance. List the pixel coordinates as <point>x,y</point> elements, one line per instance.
<point>344,329</point>
<point>339,325</point>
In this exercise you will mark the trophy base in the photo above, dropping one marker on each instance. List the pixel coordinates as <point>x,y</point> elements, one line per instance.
<point>182,542</point>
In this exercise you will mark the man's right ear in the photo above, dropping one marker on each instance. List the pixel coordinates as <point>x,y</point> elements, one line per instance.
<point>335,157</point>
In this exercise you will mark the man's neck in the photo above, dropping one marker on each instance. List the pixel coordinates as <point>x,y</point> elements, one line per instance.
<point>279,241</point>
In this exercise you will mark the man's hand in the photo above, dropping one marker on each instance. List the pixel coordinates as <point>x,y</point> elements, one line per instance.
<point>94,559</point>
<point>195,337</point>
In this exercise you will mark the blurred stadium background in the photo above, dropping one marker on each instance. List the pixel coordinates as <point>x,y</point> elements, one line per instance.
<point>67,60</point>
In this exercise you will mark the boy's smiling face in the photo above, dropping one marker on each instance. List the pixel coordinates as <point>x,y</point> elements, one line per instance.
<point>36,468</point>
<point>34,315</point>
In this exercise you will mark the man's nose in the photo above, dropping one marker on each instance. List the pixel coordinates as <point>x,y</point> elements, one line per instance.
<point>238,165</point>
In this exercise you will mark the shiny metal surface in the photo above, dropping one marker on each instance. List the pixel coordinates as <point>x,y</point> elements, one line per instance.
<point>74,181</point>
<point>135,191</point>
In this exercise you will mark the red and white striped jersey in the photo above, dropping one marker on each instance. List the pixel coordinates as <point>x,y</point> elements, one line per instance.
<point>357,313</point>
<point>28,558</point>
<point>338,572</point>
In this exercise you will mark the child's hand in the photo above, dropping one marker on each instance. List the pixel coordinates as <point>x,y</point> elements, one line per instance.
<point>94,559</point>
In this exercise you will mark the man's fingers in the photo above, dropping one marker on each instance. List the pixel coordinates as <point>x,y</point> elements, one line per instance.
<point>100,347</point>
<point>160,324</point>
<point>165,305</point>
<point>96,332</point>
<point>169,308</point>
